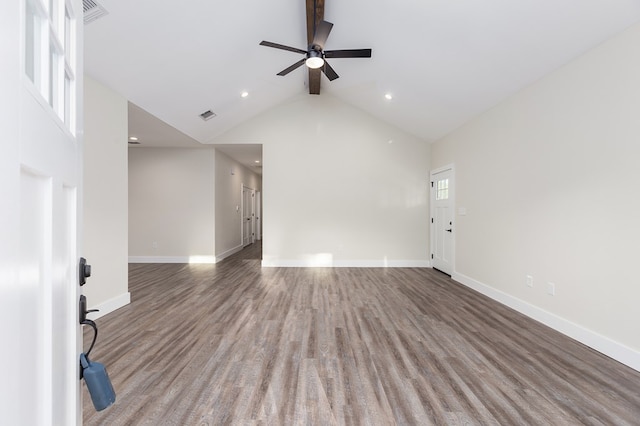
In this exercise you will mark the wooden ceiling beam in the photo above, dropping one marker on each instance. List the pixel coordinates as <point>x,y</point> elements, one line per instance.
<point>315,14</point>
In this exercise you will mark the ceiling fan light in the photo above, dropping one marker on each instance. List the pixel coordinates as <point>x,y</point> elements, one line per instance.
<point>314,60</point>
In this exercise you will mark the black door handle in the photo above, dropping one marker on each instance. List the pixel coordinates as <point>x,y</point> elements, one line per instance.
<point>82,309</point>
<point>449,230</point>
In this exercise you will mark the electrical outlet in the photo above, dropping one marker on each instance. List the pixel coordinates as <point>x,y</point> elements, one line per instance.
<point>529,281</point>
<point>154,245</point>
<point>551,289</point>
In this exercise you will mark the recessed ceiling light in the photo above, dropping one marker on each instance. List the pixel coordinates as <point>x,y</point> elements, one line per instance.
<point>244,94</point>
<point>133,138</point>
<point>257,161</point>
<point>388,96</point>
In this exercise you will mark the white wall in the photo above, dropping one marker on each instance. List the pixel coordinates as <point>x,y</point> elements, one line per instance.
<point>335,190</point>
<point>171,205</point>
<point>105,197</point>
<point>551,185</point>
<point>230,176</point>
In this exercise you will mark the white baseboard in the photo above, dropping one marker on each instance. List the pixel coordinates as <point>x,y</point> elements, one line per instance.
<point>315,263</point>
<point>110,305</point>
<point>603,344</point>
<point>172,259</point>
<point>185,259</point>
<point>228,253</point>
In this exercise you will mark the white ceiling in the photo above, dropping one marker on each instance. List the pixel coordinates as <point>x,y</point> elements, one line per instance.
<point>149,131</point>
<point>444,61</point>
<point>152,132</point>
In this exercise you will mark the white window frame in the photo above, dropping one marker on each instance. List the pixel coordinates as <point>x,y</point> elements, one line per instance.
<point>52,67</point>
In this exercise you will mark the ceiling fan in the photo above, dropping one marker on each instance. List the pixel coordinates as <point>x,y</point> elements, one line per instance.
<point>315,56</point>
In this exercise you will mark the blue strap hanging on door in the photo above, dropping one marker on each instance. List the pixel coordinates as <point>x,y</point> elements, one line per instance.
<point>95,375</point>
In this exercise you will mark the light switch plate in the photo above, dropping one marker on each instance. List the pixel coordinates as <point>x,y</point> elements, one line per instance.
<point>551,289</point>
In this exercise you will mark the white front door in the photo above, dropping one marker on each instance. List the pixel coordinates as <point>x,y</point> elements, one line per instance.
<point>442,226</point>
<point>248,215</point>
<point>40,177</point>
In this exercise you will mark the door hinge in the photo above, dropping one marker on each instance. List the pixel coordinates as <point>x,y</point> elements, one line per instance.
<point>432,255</point>
<point>432,184</point>
<point>431,220</point>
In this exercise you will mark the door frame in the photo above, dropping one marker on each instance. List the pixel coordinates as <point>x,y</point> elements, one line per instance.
<point>452,199</point>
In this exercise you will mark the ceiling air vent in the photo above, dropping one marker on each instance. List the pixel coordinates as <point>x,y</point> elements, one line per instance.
<point>207,115</point>
<point>92,11</point>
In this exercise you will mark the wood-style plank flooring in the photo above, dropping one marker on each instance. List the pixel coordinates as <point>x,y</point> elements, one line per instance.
<point>233,343</point>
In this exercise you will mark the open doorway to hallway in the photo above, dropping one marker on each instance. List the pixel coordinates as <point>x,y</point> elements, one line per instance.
<point>238,203</point>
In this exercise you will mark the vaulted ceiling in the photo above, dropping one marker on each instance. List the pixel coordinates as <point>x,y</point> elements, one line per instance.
<point>442,61</point>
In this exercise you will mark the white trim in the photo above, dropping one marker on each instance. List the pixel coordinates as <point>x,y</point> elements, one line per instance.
<point>345,263</point>
<point>185,259</point>
<point>110,305</point>
<point>600,343</point>
<point>441,169</point>
<point>228,253</point>
<point>172,259</point>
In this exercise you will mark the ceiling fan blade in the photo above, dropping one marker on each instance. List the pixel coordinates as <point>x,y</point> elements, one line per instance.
<point>314,81</point>
<point>282,46</point>
<point>323,29</point>
<point>292,67</point>
<point>315,14</point>
<point>348,53</point>
<point>329,72</point>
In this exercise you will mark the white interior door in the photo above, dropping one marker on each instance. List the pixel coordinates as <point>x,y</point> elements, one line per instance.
<point>248,215</point>
<point>258,219</point>
<point>40,180</point>
<point>442,226</point>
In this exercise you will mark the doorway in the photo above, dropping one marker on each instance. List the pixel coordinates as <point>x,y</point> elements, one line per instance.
<point>442,219</point>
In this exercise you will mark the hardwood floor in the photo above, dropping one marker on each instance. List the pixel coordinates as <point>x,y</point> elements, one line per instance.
<point>233,343</point>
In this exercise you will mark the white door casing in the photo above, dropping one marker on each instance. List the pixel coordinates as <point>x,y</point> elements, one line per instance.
<point>40,180</point>
<point>442,219</point>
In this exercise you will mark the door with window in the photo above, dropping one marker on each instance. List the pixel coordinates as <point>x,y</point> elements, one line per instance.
<point>40,188</point>
<point>442,220</point>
